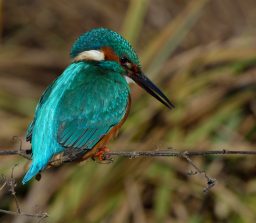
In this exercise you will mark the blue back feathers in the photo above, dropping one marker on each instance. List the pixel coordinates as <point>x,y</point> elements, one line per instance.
<point>83,104</point>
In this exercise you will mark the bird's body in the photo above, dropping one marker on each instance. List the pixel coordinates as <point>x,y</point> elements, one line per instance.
<point>85,106</point>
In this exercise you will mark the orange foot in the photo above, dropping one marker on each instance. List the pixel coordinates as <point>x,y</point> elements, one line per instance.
<point>101,156</point>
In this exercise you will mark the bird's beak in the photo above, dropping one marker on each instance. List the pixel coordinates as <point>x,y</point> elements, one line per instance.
<point>151,88</point>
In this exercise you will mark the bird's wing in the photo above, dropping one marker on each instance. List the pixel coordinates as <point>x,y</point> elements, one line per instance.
<point>79,134</point>
<point>43,98</point>
<point>30,131</point>
<point>89,110</point>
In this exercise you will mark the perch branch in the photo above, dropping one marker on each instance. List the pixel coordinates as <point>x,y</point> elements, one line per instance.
<point>170,152</point>
<point>74,156</point>
<point>136,154</point>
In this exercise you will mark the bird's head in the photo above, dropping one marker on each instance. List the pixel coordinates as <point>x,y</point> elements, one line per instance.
<point>109,50</point>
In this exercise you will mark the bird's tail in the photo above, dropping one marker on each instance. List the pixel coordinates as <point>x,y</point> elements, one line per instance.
<point>33,170</point>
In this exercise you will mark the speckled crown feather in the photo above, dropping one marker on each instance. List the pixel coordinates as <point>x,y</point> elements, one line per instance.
<point>98,38</point>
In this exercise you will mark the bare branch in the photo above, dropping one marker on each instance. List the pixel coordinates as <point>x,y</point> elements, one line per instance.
<point>76,155</point>
<point>136,154</point>
<point>43,215</point>
<point>22,153</point>
<point>170,152</point>
<point>10,183</point>
<point>210,181</point>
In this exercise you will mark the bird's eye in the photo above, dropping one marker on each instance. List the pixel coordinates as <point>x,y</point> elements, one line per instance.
<point>124,60</point>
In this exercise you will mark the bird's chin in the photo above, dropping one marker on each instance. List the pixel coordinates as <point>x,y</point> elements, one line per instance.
<point>129,80</point>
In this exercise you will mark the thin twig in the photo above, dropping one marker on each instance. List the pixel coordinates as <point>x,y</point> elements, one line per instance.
<point>210,181</point>
<point>11,184</point>
<point>22,153</point>
<point>43,215</point>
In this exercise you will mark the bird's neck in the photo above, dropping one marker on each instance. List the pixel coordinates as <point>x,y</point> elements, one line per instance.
<point>108,73</point>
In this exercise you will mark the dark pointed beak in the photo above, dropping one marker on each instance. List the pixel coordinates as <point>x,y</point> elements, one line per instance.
<point>151,88</point>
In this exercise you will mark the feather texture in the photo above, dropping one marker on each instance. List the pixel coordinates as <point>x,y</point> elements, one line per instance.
<point>76,111</point>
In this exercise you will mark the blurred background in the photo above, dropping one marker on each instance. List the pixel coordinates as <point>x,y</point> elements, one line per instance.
<point>201,52</point>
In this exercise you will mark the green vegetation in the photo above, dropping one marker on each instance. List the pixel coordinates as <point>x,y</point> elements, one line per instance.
<point>207,70</point>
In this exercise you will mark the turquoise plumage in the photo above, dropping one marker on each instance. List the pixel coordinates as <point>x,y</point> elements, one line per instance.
<point>87,101</point>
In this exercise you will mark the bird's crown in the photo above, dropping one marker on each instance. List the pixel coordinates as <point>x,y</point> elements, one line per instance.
<point>112,43</point>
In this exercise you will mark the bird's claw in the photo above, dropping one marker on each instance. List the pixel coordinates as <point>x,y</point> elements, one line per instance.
<point>102,157</point>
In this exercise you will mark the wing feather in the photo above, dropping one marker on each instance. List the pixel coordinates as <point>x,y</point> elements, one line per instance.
<point>91,109</point>
<point>42,100</point>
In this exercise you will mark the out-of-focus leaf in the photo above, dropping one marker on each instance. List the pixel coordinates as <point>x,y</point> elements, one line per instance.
<point>167,41</point>
<point>134,20</point>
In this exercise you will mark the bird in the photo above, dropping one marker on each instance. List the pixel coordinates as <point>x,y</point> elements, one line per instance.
<point>88,103</point>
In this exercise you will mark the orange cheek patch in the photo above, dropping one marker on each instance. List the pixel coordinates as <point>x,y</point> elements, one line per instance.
<point>110,54</point>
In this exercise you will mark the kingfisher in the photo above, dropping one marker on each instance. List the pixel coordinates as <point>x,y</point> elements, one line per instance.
<point>89,102</point>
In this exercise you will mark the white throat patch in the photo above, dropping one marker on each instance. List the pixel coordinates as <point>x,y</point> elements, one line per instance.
<point>95,55</point>
<point>129,80</point>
